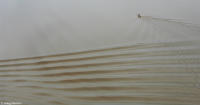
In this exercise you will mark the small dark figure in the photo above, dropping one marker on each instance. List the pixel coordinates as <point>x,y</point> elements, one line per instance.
<point>139,16</point>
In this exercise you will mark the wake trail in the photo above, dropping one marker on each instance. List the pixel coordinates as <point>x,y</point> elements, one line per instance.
<point>171,21</point>
<point>191,26</point>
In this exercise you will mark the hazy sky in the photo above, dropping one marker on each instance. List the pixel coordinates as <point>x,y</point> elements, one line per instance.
<point>40,27</point>
<point>184,9</point>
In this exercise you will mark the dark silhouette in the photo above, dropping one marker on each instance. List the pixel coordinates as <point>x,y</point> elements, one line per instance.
<point>139,16</point>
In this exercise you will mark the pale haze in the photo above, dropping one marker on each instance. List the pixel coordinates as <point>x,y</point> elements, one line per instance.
<point>40,27</point>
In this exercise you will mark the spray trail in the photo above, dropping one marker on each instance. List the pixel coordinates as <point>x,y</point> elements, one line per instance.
<point>178,21</point>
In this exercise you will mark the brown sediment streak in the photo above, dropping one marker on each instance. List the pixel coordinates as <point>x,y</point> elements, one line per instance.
<point>134,62</point>
<point>153,79</point>
<point>177,79</point>
<point>138,88</point>
<point>85,73</point>
<point>131,70</point>
<point>173,91</point>
<point>33,87</point>
<point>56,102</point>
<point>92,80</point>
<point>136,54</point>
<point>154,89</point>
<point>134,98</point>
<point>138,46</point>
<point>20,80</point>
<point>107,71</point>
<point>42,94</point>
<point>74,73</point>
